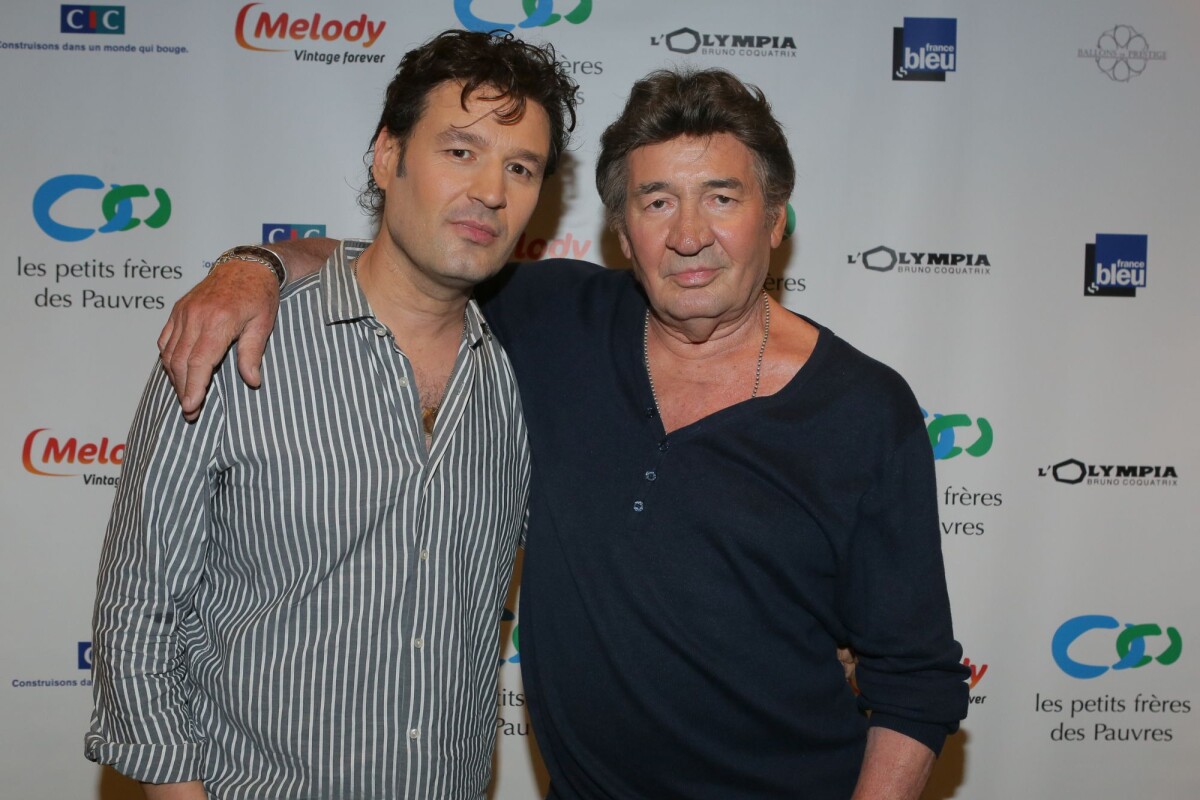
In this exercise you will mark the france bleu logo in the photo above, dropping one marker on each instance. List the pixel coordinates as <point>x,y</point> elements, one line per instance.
<point>925,49</point>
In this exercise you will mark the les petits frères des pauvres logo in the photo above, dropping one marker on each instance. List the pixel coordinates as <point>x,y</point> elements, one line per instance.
<point>322,34</point>
<point>1123,664</point>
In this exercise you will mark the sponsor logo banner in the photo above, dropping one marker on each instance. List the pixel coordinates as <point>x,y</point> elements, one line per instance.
<point>925,49</point>
<point>261,30</point>
<point>1072,471</point>
<point>688,41</point>
<point>92,19</point>
<point>913,262</point>
<point>282,231</point>
<point>1122,53</point>
<point>946,444</point>
<point>116,206</point>
<point>1136,645</point>
<point>1116,265</point>
<point>538,14</point>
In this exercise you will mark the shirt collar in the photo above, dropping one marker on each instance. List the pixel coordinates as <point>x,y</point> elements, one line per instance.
<point>345,301</point>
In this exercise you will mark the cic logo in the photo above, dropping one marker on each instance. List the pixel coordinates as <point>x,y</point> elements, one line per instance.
<point>1130,645</point>
<point>538,14</point>
<point>281,231</point>
<point>116,204</point>
<point>92,19</point>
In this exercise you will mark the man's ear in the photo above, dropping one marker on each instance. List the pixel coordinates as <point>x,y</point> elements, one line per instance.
<point>779,226</point>
<point>620,230</point>
<point>385,163</point>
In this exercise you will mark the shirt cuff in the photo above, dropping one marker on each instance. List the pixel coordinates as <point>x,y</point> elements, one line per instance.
<point>148,763</point>
<point>931,734</point>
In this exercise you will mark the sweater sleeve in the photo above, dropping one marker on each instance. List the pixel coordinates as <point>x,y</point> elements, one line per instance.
<point>893,601</point>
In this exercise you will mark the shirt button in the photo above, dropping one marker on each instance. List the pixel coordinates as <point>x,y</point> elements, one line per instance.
<point>650,411</point>
<point>651,474</point>
<point>414,734</point>
<point>638,505</point>
<point>418,643</point>
<point>424,555</point>
<point>403,381</point>
<point>381,332</point>
<point>663,445</point>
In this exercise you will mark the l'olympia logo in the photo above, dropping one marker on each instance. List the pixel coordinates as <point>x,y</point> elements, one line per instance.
<point>885,259</point>
<point>117,205</point>
<point>1136,645</point>
<point>948,444</point>
<point>538,14</point>
<point>256,29</point>
<point>1073,471</point>
<point>1116,265</point>
<point>283,231</point>
<point>50,455</point>
<point>925,49</point>
<point>688,41</point>
<point>92,19</point>
<point>1122,53</point>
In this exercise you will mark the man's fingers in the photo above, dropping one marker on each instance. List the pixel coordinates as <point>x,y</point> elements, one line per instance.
<point>251,345</point>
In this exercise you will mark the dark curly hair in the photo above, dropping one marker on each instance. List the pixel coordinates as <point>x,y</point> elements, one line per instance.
<point>667,104</point>
<point>508,68</point>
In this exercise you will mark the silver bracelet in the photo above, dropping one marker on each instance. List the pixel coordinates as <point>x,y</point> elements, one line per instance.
<point>259,255</point>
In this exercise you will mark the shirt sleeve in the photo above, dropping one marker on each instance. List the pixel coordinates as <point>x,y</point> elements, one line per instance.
<point>150,566</point>
<point>894,602</point>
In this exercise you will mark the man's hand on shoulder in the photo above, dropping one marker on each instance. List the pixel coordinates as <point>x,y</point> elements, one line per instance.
<point>237,300</point>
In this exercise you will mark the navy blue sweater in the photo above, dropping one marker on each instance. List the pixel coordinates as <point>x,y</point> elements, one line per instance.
<point>683,595</point>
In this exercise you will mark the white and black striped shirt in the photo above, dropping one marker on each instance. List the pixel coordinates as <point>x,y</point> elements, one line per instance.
<point>296,598</point>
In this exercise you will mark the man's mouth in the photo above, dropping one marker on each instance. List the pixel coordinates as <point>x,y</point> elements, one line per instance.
<point>476,231</point>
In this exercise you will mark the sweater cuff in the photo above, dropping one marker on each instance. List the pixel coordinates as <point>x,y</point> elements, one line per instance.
<point>931,734</point>
<point>149,763</point>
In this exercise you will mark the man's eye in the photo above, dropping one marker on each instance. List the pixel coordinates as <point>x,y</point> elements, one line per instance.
<point>657,204</point>
<point>460,153</point>
<point>521,169</point>
<point>723,200</point>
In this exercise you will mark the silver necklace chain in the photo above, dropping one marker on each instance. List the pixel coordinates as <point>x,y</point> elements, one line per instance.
<point>762,349</point>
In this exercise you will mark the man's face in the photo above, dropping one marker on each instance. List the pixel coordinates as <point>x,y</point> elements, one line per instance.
<point>697,228</point>
<point>455,206</point>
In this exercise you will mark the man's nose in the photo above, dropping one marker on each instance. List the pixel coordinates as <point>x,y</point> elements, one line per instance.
<point>488,187</point>
<point>690,232</point>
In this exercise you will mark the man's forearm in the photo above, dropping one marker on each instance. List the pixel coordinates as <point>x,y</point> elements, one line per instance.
<point>303,257</point>
<point>895,767</point>
<point>192,790</point>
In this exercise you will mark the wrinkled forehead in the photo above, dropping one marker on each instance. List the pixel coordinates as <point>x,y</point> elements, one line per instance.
<point>686,159</point>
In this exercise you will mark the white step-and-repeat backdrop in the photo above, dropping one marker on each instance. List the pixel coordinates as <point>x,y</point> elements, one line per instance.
<point>995,198</point>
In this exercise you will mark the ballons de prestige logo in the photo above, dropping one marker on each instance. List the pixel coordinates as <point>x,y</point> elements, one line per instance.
<point>538,14</point>
<point>116,206</point>
<point>1130,645</point>
<point>1122,53</point>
